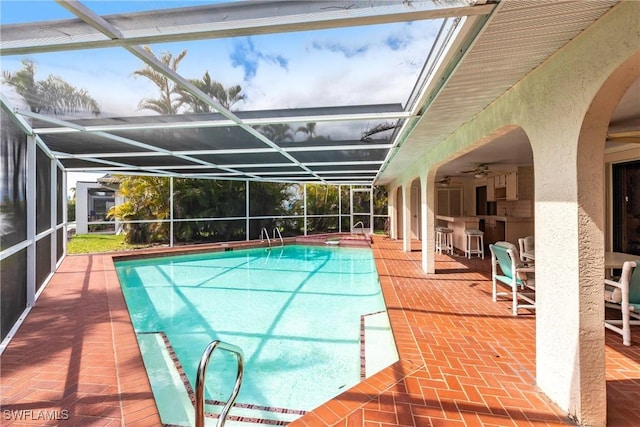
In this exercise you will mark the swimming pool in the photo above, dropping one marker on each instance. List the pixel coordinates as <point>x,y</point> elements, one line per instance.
<point>311,321</point>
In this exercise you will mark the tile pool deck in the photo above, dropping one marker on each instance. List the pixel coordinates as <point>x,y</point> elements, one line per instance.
<point>464,360</point>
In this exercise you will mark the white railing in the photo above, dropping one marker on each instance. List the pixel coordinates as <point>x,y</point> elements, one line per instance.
<point>200,377</point>
<point>276,229</point>
<point>265,234</point>
<point>359,223</point>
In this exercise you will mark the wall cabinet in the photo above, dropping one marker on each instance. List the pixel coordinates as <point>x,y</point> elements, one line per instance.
<point>505,187</point>
<point>491,189</point>
<point>502,187</point>
<point>511,183</point>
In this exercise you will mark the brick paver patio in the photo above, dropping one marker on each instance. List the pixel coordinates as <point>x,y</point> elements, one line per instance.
<point>464,360</point>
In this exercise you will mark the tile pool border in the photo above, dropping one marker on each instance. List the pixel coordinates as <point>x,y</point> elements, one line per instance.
<point>192,395</point>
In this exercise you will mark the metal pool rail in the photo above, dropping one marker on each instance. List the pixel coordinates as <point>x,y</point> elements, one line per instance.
<point>200,377</point>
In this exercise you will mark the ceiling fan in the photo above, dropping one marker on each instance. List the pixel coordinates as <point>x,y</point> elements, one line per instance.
<point>447,181</point>
<point>480,171</point>
<point>444,181</point>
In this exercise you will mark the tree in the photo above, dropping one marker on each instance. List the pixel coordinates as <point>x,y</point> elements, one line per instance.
<point>309,129</point>
<point>71,206</point>
<point>265,199</point>
<point>147,198</point>
<point>51,95</point>
<point>380,206</point>
<point>277,132</point>
<point>170,99</point>
<point>194,198</point>
<point>227,97</point>
<point>322,199</point>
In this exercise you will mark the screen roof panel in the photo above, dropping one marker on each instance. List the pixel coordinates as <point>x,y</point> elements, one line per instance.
<point>89,143</point>
<point>276,88</point>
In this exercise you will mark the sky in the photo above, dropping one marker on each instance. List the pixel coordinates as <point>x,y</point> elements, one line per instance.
<point>352,66</point>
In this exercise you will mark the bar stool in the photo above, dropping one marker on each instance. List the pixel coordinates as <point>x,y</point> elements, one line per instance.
<point>444,240</point>
<point>478,237</point>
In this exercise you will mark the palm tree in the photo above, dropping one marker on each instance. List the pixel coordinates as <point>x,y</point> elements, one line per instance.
<point>227,97</point>
<point>170,99</point>
<point>52,95</point>
<point>277,132</point>
<point>309,129</point>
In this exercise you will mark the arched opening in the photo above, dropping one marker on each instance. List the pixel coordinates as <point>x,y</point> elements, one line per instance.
<point>489,187</point>
<point>607,168</point>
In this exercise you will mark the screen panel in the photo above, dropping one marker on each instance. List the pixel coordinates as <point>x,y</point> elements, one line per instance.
<point>43,257</point>
<point>13,183</point>
<point>43,191</point>
<point>13,290</point>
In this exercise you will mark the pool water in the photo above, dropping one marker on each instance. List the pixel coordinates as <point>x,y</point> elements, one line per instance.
<point>303,315</point>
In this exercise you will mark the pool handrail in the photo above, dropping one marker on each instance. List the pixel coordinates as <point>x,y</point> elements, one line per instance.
<point>200,377</point>
<point>361,224</point>
<point>279,235</point>
<point>265,233</point>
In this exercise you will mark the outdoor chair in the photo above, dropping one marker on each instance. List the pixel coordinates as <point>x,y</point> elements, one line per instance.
<point>624,295</point>
<point>510,271</point>
<point>527,246</point>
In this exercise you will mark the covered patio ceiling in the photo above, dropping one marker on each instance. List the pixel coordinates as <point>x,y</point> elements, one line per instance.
<point>336,92</point>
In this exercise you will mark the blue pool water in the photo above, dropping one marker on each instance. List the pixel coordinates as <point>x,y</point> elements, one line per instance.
<point>299,313</point>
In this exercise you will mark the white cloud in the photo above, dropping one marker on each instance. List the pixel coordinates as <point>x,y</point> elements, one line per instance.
<point>327,72</point>
<point>362,65</point>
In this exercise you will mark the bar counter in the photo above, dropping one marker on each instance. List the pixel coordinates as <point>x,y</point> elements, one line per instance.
<point>459,224</point>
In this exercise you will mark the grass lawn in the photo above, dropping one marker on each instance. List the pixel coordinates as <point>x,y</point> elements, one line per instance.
<point>89,243</point>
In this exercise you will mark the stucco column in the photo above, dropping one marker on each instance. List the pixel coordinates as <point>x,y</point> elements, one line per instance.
<point>427,241</point>
<point>406,217</point>
<point>392,210</point>
<point>570,360</point>
<point>428,203</point>
<point>569,149</point>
